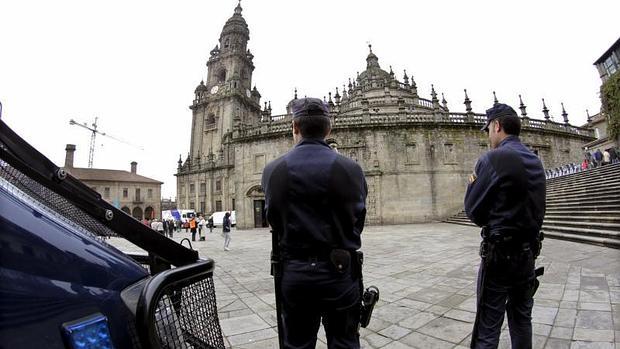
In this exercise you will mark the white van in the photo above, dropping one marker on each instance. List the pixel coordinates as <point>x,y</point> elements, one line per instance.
<point>218,218</point>
<point>178,215</point>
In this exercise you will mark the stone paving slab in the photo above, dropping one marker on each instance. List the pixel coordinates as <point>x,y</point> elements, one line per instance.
<point>427,274</point>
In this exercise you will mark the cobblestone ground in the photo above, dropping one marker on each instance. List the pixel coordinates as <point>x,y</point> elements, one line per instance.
<point>426,273</point>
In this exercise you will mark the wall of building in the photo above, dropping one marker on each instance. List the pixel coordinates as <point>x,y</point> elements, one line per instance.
<point>117,199</point>
<point>415,173</point>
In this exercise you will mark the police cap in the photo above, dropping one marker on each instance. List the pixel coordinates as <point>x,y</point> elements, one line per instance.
<point>308,107</point>
<point>497,111</point>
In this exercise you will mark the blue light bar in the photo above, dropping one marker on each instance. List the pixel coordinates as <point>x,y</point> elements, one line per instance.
<point>90,332</point>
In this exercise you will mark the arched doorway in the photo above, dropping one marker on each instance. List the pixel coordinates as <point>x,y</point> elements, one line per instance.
<point>148,213</point>
<point>257,196</point>
<point>137,213</point>
<point>126,210</point>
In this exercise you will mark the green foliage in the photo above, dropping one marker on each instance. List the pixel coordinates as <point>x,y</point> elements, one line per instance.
<point>610,100</point>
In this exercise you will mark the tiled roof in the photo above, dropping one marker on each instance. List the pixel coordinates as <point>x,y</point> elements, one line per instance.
<point>97,174</point>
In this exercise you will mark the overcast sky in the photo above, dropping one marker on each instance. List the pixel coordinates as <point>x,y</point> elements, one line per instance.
<point>135,64</point>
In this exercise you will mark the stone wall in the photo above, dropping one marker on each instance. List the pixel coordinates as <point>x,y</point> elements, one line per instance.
<point>415,173</point>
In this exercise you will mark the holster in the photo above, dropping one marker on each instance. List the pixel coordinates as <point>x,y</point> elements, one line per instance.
<point>341,260</point>
<point>535,283</point>
<point>276,265</point>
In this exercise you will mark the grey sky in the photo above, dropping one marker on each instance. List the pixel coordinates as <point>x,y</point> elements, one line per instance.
<point>135,64</point>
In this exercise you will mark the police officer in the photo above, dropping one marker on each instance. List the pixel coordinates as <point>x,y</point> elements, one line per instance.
<point>315,203</point>
<point>506,197</point>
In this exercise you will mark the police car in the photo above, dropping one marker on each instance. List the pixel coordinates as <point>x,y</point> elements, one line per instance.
<point>62,285</point>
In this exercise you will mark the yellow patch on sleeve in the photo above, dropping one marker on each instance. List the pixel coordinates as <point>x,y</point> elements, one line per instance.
<point>472,178</point>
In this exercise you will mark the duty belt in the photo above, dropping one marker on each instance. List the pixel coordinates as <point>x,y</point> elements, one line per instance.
<point>341,259</point>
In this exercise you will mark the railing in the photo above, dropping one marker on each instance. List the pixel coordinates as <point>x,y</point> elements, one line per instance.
<point>425,103</point>
<point>281,123</point>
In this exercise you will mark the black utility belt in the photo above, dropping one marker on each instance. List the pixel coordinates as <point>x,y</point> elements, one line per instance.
<point>341,259</point>
<point>320,255</point>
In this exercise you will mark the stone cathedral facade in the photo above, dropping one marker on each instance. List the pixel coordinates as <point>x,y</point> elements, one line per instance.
<point>416,153</point>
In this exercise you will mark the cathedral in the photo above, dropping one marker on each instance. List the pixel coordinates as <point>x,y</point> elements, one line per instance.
<point>416,154</point>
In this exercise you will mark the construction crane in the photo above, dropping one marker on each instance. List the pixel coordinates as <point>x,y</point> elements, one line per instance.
<point>93,135</point>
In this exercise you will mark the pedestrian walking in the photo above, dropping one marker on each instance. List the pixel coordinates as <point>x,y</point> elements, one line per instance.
<point>506,197</point>
<point>201,224</point>
<point>598,156</point>
<point>210,223</point>
<point>606,157</point>
<point>192,227</point>
<point>171,227</point>
<point>226,225</point>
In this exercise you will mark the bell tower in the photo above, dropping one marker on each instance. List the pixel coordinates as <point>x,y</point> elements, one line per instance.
<point>226,100</point>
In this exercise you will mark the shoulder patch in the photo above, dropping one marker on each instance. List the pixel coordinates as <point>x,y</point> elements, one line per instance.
<point>472,177</point>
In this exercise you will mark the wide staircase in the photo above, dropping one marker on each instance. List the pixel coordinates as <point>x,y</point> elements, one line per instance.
<point>582,207</point>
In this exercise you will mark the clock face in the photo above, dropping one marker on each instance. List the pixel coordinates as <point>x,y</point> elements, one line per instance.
<point>214,89</point>
<point>248,93</point>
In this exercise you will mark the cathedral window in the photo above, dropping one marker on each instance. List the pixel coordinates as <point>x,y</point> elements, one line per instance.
<point>218,185</point>
<point>221,75</point>
<point>412,153</point>
<point>227,43</point>
<point>191,188</point>
<point>449,153</point>
<point>259,163</point>
<point>210,119</point>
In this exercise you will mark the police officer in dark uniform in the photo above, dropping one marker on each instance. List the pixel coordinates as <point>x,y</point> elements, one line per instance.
<point>506,197</point>
<point>315,203</point>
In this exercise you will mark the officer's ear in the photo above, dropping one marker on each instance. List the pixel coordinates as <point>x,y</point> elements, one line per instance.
<point>296,130</point>
<point>497,125</point>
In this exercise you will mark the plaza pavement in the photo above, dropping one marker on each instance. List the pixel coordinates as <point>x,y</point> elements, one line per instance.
<point>426,274</point>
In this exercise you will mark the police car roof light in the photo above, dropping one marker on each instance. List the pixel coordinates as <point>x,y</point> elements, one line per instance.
<point>88,333</point>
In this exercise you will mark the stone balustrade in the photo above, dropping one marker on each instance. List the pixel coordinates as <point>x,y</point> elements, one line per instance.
<point>281,123</point>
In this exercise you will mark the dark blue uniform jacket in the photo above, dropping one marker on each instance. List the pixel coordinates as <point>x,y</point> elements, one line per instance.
<point>315,199</point>
<point>507,190</point>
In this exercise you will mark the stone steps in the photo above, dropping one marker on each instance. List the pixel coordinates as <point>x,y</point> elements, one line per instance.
<point>578,237</point>
<point>590,174</point>
<point>582,207</point>
<point>580,223</point>
<point>615,202</point>
<point>585,192</point>
<point>581,212</point>
<point>581,218</point>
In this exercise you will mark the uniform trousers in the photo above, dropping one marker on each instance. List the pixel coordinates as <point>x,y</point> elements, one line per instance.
<point>312,291</point>
<point>508,281</point>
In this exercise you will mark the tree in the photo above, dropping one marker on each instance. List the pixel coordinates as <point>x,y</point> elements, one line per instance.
<point>610,100</point>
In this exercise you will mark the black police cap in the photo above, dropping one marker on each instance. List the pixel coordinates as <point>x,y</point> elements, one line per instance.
<point>309,106</point>
<point>497,111</point>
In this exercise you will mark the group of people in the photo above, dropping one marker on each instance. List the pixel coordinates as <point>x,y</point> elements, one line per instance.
<point>315,202</point>
<point>592,159</point>
<point>163,226</point>
<point>194,224</point>
<point>197,224</point>
<point>600,158</point>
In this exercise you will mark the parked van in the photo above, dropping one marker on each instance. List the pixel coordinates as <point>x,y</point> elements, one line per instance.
<point>178,215</point>
<point>218,218</point>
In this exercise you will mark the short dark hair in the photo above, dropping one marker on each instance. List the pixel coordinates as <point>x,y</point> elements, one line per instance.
<point>313,126</point>
<point>510,124</point>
